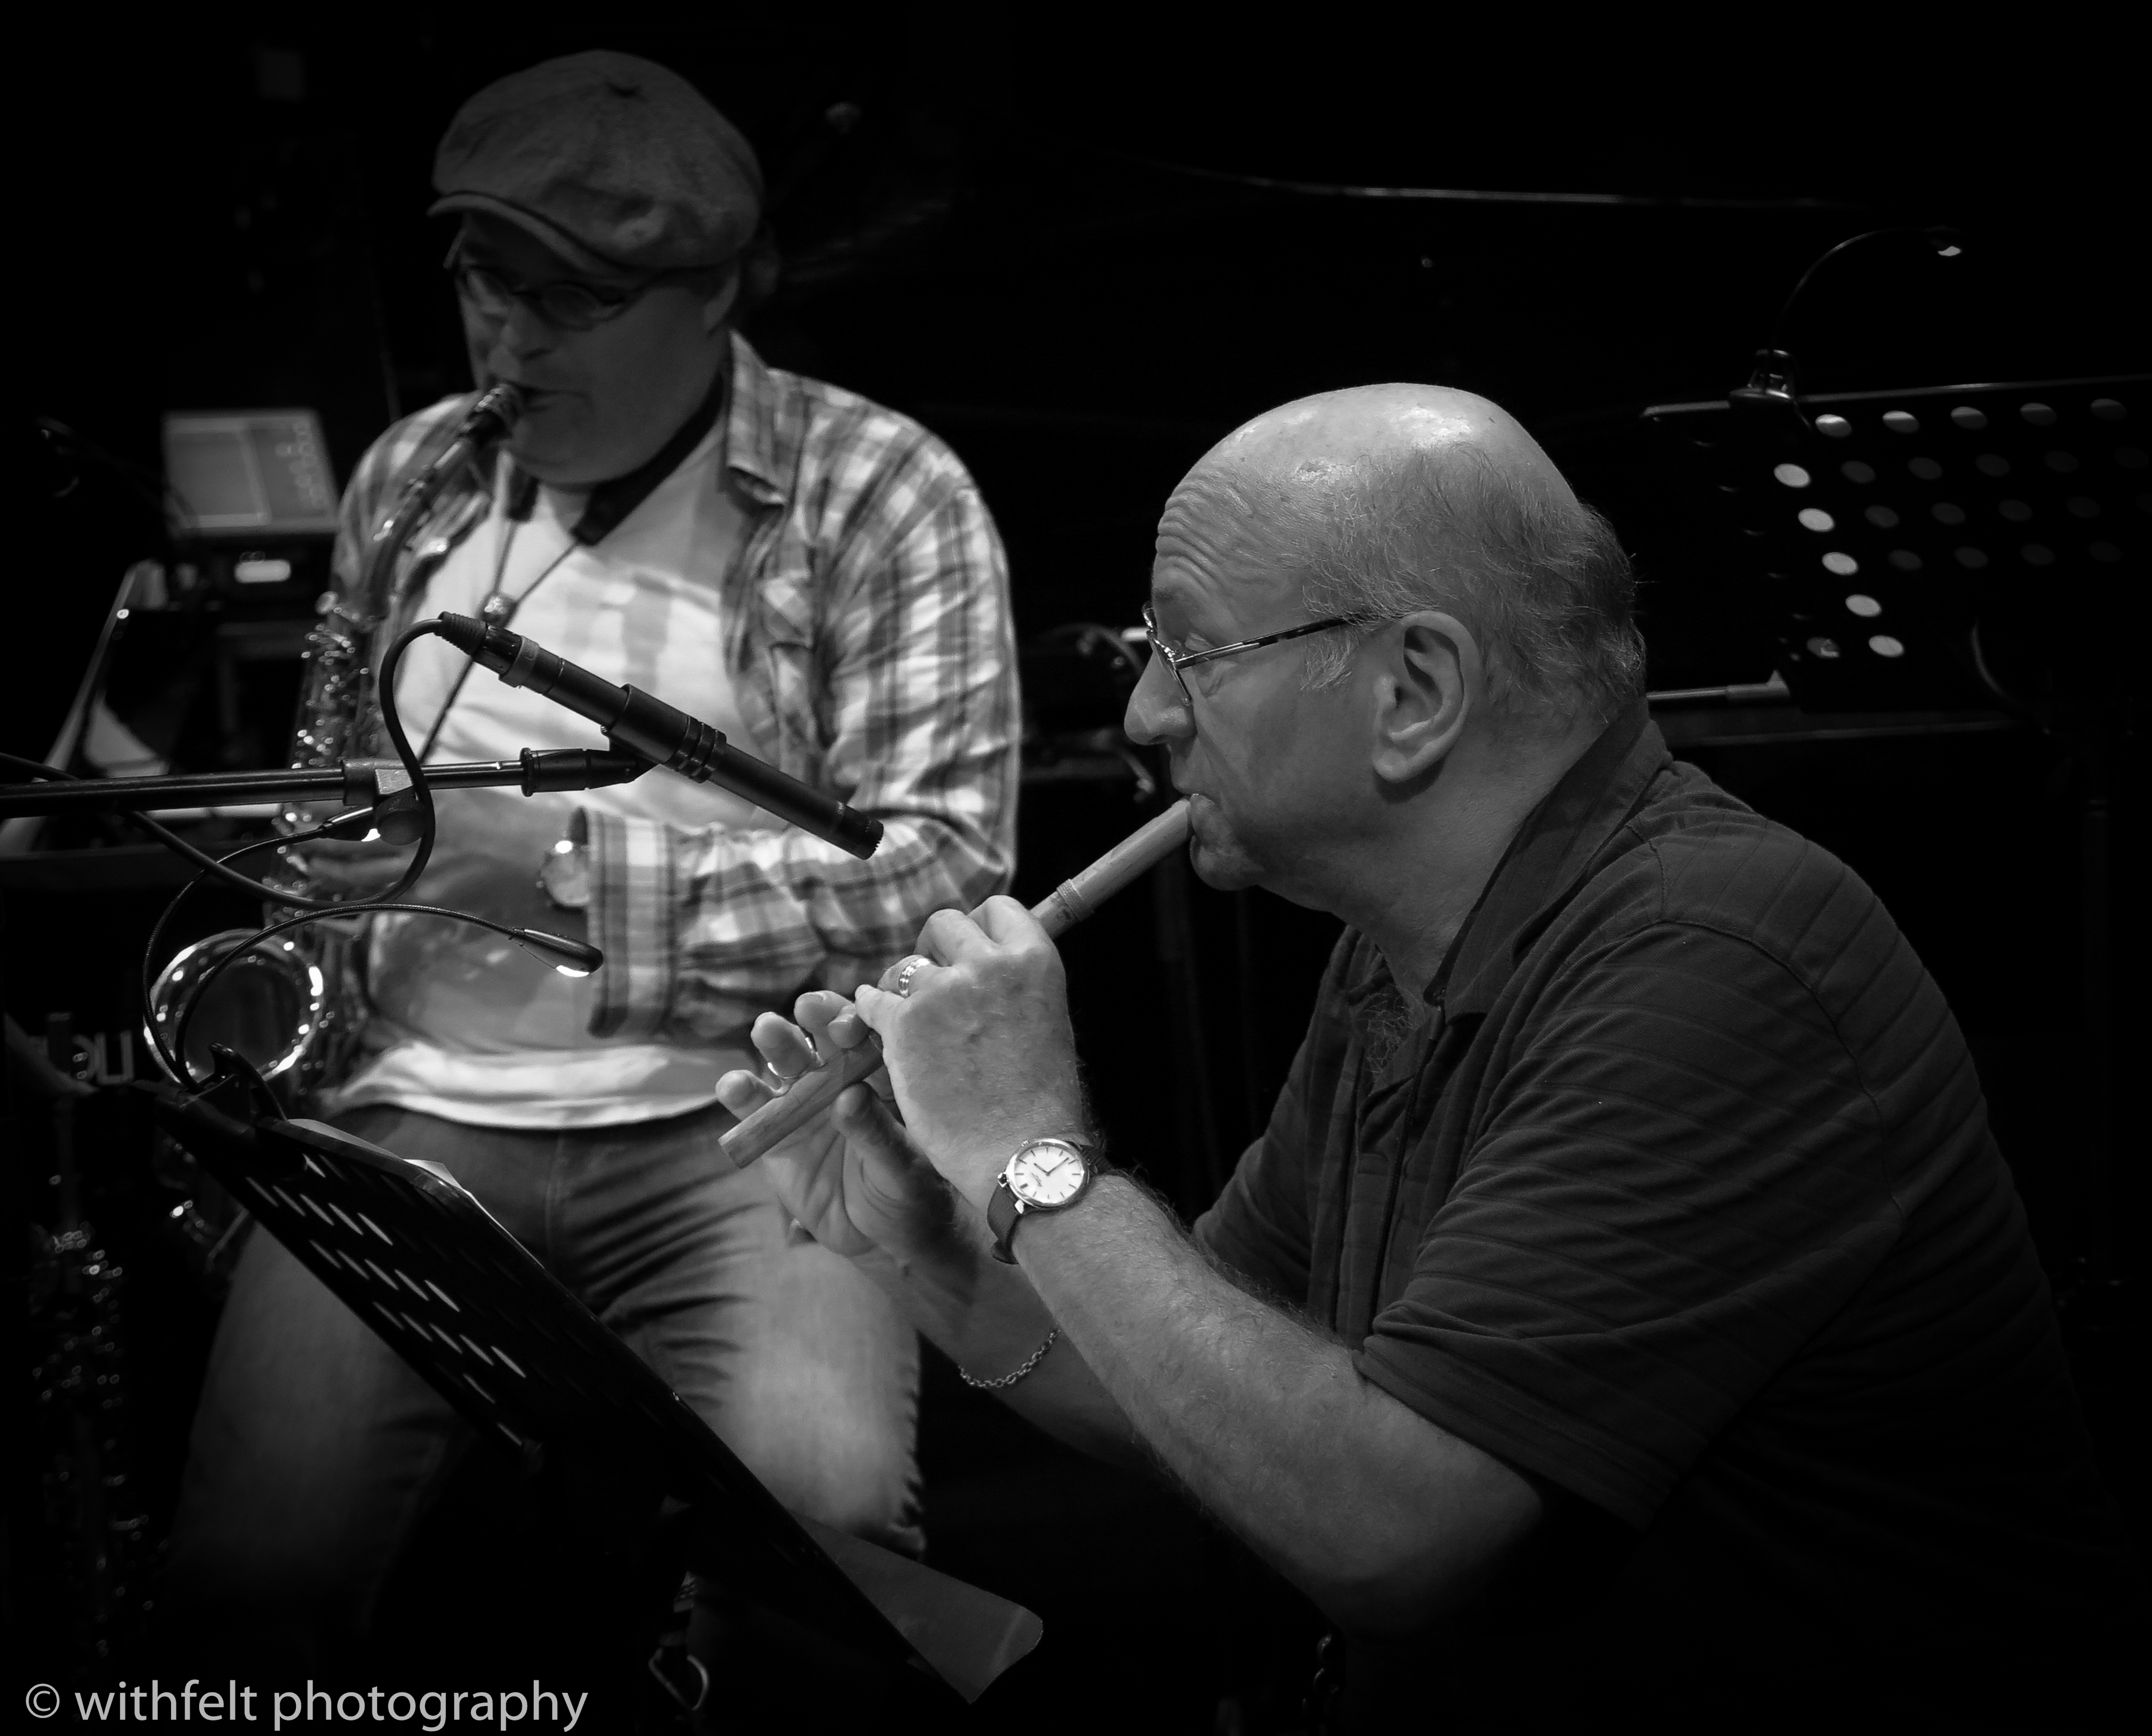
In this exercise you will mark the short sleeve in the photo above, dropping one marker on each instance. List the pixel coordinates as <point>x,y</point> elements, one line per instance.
<point>1679,1181</point>
<point>1260,1225</point>
<point>1257,1227</point>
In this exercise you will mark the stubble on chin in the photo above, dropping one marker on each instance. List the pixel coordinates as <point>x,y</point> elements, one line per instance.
<point>1221,861</point>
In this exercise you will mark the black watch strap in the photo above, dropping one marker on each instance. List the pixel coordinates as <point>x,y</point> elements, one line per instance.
<point>1003,1209</point>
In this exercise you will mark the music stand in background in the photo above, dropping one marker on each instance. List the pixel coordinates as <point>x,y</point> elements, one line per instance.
<point>415,1256</point>
<point>1875,531</point>
<point>1951,547</point>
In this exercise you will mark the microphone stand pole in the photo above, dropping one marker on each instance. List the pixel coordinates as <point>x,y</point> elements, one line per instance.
<point>355,783</point>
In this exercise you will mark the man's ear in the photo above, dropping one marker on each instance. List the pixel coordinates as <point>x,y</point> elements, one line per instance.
<point>1430,682</point>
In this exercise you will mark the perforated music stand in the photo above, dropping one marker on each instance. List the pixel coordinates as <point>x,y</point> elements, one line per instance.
<point>415,1255</point>
<point>1878,529</point>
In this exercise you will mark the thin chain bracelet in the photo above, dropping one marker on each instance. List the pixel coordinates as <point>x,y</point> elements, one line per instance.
<point>1029,1362</point>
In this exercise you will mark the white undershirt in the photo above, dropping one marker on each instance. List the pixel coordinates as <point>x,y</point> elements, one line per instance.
<point>483,1033</point>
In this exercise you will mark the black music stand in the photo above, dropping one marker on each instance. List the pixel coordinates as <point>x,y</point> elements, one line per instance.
<point>415,1256</point>
<point>1873,531</point>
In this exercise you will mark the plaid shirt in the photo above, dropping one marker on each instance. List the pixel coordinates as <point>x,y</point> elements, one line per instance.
<point>868,640</point>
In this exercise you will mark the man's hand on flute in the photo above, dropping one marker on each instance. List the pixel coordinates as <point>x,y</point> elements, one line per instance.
<point>980,1047</point>
<point>1069,903</point>
<point>985,1022</point>
<point>849,1178</point>
<point>857,1182</point>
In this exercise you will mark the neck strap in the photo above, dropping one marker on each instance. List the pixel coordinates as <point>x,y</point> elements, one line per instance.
<point>611,502</point>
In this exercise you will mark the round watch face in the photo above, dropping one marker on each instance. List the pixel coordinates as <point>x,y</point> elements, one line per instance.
<point>1046,1173</point>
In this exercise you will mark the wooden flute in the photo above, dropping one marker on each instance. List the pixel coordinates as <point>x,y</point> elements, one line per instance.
<point>1068,904</point>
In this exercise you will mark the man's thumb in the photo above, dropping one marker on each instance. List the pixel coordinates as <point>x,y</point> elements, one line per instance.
<point>889,1162</point>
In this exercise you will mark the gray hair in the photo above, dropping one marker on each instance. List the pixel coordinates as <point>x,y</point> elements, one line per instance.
<point>1540,579</point>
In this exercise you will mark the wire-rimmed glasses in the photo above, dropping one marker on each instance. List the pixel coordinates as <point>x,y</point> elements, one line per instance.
<point>1178,660</point>
<point>566,305</point>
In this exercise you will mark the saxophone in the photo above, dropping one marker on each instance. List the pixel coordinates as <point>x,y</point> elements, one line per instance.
<point>294,1006</point>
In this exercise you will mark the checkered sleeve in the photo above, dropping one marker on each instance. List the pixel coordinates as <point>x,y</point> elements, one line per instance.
<point>382,469</point>
<point>916,706</point>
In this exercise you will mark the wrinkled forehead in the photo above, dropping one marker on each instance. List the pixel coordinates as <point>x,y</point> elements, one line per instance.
<point>1228,534</point>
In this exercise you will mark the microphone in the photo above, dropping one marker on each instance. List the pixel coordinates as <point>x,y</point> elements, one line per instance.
<point>570,957</point>
<point>636,723</point>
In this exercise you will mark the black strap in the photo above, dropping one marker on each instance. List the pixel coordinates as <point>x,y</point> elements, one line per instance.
<point>1002,1218</point>
<point>611,502</point>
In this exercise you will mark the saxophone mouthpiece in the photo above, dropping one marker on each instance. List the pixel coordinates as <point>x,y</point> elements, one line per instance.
<point>498,409</point>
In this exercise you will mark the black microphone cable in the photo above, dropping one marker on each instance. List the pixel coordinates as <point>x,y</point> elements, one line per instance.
<point>572,957</point>
<point>581,958</point>
<point>314,909</point>
<point>338,826</point>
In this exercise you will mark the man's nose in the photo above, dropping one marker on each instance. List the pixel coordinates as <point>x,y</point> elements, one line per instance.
<point>522,332</point>
<point>1158,710</point>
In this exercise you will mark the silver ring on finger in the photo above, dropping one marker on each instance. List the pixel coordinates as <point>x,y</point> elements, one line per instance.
<point>902,987</point>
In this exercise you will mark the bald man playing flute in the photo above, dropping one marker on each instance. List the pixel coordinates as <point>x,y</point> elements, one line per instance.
<point>1626,1309</point>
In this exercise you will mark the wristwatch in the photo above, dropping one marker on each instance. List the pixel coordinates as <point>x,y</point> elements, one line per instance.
<point>1044,1175</point>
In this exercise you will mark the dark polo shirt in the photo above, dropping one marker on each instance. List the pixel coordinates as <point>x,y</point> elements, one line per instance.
<point>1676,1190</point>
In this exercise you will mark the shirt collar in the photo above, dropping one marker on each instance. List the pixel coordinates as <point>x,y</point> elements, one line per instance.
<point>752,435</point>
<point>1547,857</point>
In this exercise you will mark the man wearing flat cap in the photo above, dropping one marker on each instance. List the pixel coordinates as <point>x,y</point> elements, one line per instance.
<point>818,578</point>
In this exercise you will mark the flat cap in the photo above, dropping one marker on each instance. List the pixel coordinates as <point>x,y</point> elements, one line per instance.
<point>607,159</point>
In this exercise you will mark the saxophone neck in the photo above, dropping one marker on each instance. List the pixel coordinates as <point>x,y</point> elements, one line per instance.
<point>491,415</point>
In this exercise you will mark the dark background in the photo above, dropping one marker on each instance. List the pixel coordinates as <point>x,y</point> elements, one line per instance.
<point>1050,244</point>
